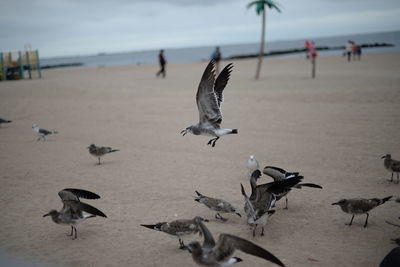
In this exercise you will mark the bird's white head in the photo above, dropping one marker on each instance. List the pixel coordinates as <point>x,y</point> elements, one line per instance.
<point>34,126</point>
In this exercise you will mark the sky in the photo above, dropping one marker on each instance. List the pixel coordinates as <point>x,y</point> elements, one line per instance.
<point>85,27</point>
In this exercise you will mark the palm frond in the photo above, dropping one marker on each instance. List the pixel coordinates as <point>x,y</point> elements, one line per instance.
<point>261,3</point>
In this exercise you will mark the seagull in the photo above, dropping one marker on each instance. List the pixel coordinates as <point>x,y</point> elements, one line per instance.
<point>392,165</point>
<point>211,253</point>
<point>74,211</point>
<point>358,206</point>
<point>98,152</point>
<point>4,121</point>
<point>218,205</point>
<point>252,165</point>
<point>279,174</point>
<point>42,132</point>
<point>177,228</point>
<point>392,259</point>
<point>258,208</point>
<point>209,99</point>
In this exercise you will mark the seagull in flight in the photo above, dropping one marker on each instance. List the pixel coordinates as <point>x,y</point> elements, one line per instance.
<point>42,133</point>
<point>219,253</point>
<point>74,211</point>
<point>209,99</point>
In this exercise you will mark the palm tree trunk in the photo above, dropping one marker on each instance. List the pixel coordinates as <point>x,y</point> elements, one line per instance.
<point>261,53</point>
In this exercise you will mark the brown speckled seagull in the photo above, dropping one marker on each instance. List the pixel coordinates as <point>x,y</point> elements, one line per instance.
<point>99,151</point>
<point>74,211</point>
<point>177,228</point>
<point>358,206</point>
<point>212,253</point>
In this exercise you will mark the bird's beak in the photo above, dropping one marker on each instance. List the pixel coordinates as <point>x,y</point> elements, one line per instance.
<point>205,220</point>
<point>150,226</point>
<point>238,214</point>
<point>383,157</point>
<point>47,214</point>
<point>335,203</point>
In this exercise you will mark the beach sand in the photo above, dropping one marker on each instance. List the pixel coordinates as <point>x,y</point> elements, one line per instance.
<point>333,129</point>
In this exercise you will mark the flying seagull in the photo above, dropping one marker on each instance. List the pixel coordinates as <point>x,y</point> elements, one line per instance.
<point>211,253</point>
<point>358,206</point>
<point>252,165</point>
<point>74,211</point>
<point>98,152</point>
<point>392,165</point>
<point>177,228</point>
<point>209,99</point>
<point>4,121</point>
<point>42,133</point>
<point>216,204</point>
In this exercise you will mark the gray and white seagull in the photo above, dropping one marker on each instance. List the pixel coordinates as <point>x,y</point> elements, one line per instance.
<point>42,133</point>
<point>209,99</point>
<point>219,253</point>
<point>74,211</point>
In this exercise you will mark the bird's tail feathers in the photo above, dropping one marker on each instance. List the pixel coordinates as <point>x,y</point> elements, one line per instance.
<point>54,132</point>
<point>198,197</point>
<point>114,150</point>
<point>234,131</point>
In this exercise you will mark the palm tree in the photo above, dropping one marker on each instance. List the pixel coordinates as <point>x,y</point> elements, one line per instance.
<point>260,9</point>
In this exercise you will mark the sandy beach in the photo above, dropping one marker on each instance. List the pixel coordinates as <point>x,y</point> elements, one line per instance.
<point>333,129</point>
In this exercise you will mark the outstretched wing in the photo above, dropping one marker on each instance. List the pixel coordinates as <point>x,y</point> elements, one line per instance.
<point>227,243</point>
<point>308,185</point>
<point>209,241</point>
<point>82,193</point>
<point>221,82</point>
<point>206,99</point>
<point>90,209</point>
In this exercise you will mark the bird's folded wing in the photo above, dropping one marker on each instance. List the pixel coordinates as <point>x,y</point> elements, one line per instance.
<point>44,131</point>
<point>226,242</point>
<point>206,99</point>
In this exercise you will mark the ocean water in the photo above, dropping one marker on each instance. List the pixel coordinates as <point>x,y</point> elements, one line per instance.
<point>194,54</point>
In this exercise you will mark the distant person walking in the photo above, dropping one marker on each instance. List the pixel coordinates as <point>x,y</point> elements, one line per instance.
<point>348,51</point>
<point>216,55</point>
<point>163,62</point>
<point>356,52</point>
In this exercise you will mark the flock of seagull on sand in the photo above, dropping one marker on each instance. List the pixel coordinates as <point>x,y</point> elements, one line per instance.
<point>258,205</point>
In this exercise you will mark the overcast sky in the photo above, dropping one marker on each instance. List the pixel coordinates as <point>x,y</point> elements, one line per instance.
<point>80,27</point>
